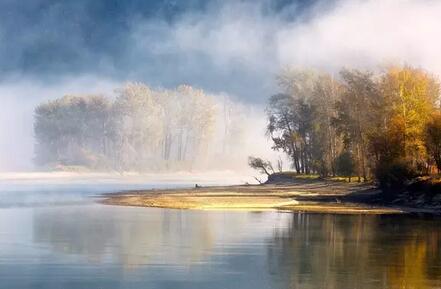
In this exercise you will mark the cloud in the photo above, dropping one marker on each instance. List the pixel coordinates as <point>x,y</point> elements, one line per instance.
<point>364,34</point>
<point>225,46</point>
<point>221,46</point>
<point>239,47</point>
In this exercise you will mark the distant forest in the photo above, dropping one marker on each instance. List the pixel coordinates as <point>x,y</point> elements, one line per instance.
<point>358,123</point>
<point>139,129</point>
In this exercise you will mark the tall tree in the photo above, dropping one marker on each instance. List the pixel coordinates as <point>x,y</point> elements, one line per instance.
<point>412,94</point>
<point>356,118</point>
<point>290,116</point>
<point>135,115</point>
<point>300,120</point>
<point>326,144</point>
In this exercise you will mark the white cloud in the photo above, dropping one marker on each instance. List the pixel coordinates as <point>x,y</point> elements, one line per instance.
<point>353,32</point>
<point>366,33</point>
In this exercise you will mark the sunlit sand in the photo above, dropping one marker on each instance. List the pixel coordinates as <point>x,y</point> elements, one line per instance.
<point>314,197</point>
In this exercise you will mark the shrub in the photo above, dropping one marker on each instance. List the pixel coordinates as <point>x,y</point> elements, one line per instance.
<point>264,167</point>
<point>395,176</point>
<point>433,139</point>
<point>345,165</point>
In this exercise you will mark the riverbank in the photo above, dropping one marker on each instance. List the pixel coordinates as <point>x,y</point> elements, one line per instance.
<point>307,195</point>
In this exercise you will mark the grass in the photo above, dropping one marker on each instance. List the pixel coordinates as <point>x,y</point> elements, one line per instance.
<point>296,176</point>
<point>354,179</point>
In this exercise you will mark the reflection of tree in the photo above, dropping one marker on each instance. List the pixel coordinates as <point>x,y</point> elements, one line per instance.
<point>71,232</point>
<point>126,237</point>
<point>304,250</point>
<point>326,251</point>
<point>418,263</point>
<point>139,236</point>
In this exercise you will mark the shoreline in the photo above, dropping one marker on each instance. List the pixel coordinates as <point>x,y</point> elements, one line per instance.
<point>309,196</point>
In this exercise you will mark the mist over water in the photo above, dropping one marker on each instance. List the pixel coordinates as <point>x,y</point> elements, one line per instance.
<point>46,189</point>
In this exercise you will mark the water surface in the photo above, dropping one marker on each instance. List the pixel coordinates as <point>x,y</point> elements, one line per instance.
<point>59,237</point>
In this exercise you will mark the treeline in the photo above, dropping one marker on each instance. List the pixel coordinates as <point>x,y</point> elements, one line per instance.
<point>358,123</point>
<point>138,129</point>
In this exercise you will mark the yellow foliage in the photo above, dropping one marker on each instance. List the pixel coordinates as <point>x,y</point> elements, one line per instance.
<point>413,94</point>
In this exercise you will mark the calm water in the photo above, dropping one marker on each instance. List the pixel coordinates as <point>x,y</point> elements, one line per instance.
<point>75,243</point>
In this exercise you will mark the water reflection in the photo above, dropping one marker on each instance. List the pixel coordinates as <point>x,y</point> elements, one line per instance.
<point>97,246</point>
<point>137,236</point>
<point>326,251</point>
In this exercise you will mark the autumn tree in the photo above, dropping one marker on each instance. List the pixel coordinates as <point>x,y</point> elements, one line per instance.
<point>355,115</point>
<point>412,94</point>
<point>381,118</point>
<point>433,139</point>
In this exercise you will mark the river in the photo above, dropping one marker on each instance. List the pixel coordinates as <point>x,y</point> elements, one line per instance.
<point>58,236</point>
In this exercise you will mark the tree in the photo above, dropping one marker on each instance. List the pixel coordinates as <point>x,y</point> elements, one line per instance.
<point>282,127</point>
<point>188,118</point>
<point>412,94</point>
<point>264,167</point>
<point>291,118</point>
<point>433,139</point>
<point>72,130</point>
<point>345,165</point>
<point>196,122</point>
<point>137,120</point>
<point>355,116</point>
<point>378,117</point>
<point>141,128</point>
<point>326,144</point>
<point>300,120</point>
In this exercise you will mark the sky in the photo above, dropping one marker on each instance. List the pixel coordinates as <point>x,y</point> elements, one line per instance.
<point>213,44</point>
<point>51,48</point>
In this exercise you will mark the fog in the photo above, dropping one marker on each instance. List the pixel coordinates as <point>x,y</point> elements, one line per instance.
<point>18,101</point>
<point>222,47</point>
<point>43,189</point>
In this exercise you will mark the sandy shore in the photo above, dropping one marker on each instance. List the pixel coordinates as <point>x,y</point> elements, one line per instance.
<point>305,196</point>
